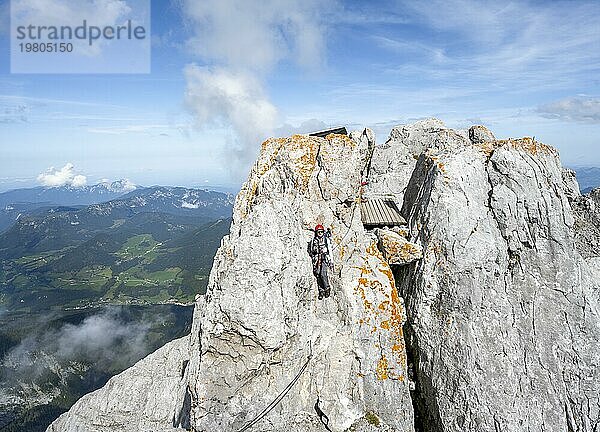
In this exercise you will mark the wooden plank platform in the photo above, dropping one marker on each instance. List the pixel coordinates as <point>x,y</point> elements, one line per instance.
<point>380,212</point>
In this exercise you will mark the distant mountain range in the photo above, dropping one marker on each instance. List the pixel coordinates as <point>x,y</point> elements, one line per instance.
<point>68,195</point>
<point>119,195</point>
<point>67,256</point>
<point>20,201</point>
<point>150,245</point>
<point>588,178</point>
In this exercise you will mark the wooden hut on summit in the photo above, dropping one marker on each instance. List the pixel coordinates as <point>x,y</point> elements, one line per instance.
<point>337,130</point>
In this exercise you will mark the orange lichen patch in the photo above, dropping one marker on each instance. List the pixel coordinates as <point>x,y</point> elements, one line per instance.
<point>363,283</point>
<point>269,151</point>
<point>438,163</point>
<point>364,270</point>
<point>268,154</point>
<point>382,369</point>
<point>342,249</point>
<point>526,144</point>
<point>374,251</point>
<point>409,248</point>
<point>402,232</point>
<point>344,138</point>
<point>388,314</point>
<point>486,147</point>
<point>396,248</point>
<point>532,147</point>
<point>298,151</point>
<point>398,348</point>
<point>386,270</point>
<point>304,164</point>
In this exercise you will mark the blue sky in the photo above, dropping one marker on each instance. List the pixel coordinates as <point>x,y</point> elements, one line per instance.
<point>228,73</point>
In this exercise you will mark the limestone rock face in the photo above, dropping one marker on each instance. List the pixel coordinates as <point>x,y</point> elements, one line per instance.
<point>396,249</point>
<point>504,318</point>
<point>260,320</point>
<point>142,398</point>
<point>587,223</point>
<point>392,164</point>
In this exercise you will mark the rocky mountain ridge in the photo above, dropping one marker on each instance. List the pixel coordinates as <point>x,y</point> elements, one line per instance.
<point>482,314</point>
<point>68,195</point>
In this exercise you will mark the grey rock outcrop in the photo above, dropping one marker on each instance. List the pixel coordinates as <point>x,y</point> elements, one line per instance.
<point>393,163</point>
<point>260,319</point>
<point>501,326</point>
<point>396,249</point>
<point>142,398</point>
<point>480,135</point>
<point>503,312</point>
<point>587,223</point>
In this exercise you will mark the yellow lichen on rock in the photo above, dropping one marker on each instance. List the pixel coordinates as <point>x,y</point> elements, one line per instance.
<point>527,144</point>
<point>397,249</point>
<point>382,368</point>
<point>303,151</point>
<point>486,147</point>
<point>387,313</point>
<point>299,152</point>
<point>344,138</point>
<point>532,147</point>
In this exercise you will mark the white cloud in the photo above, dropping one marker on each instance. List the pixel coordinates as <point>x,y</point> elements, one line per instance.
<point>65,176</point>
<point>104,340</point>
<point>579,108</point>
<point>241,42</point>
<point>220,97</point>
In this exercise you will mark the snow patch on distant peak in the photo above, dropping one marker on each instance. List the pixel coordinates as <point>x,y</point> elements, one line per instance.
<point>123,185</point>
<point>185,204</point>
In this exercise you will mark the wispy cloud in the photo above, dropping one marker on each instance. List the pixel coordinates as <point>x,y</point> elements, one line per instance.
<point>242,42</point>
<point>578,108</point>
<point>105,340</point>
<point>149,129</point>
<point>514,46</point>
